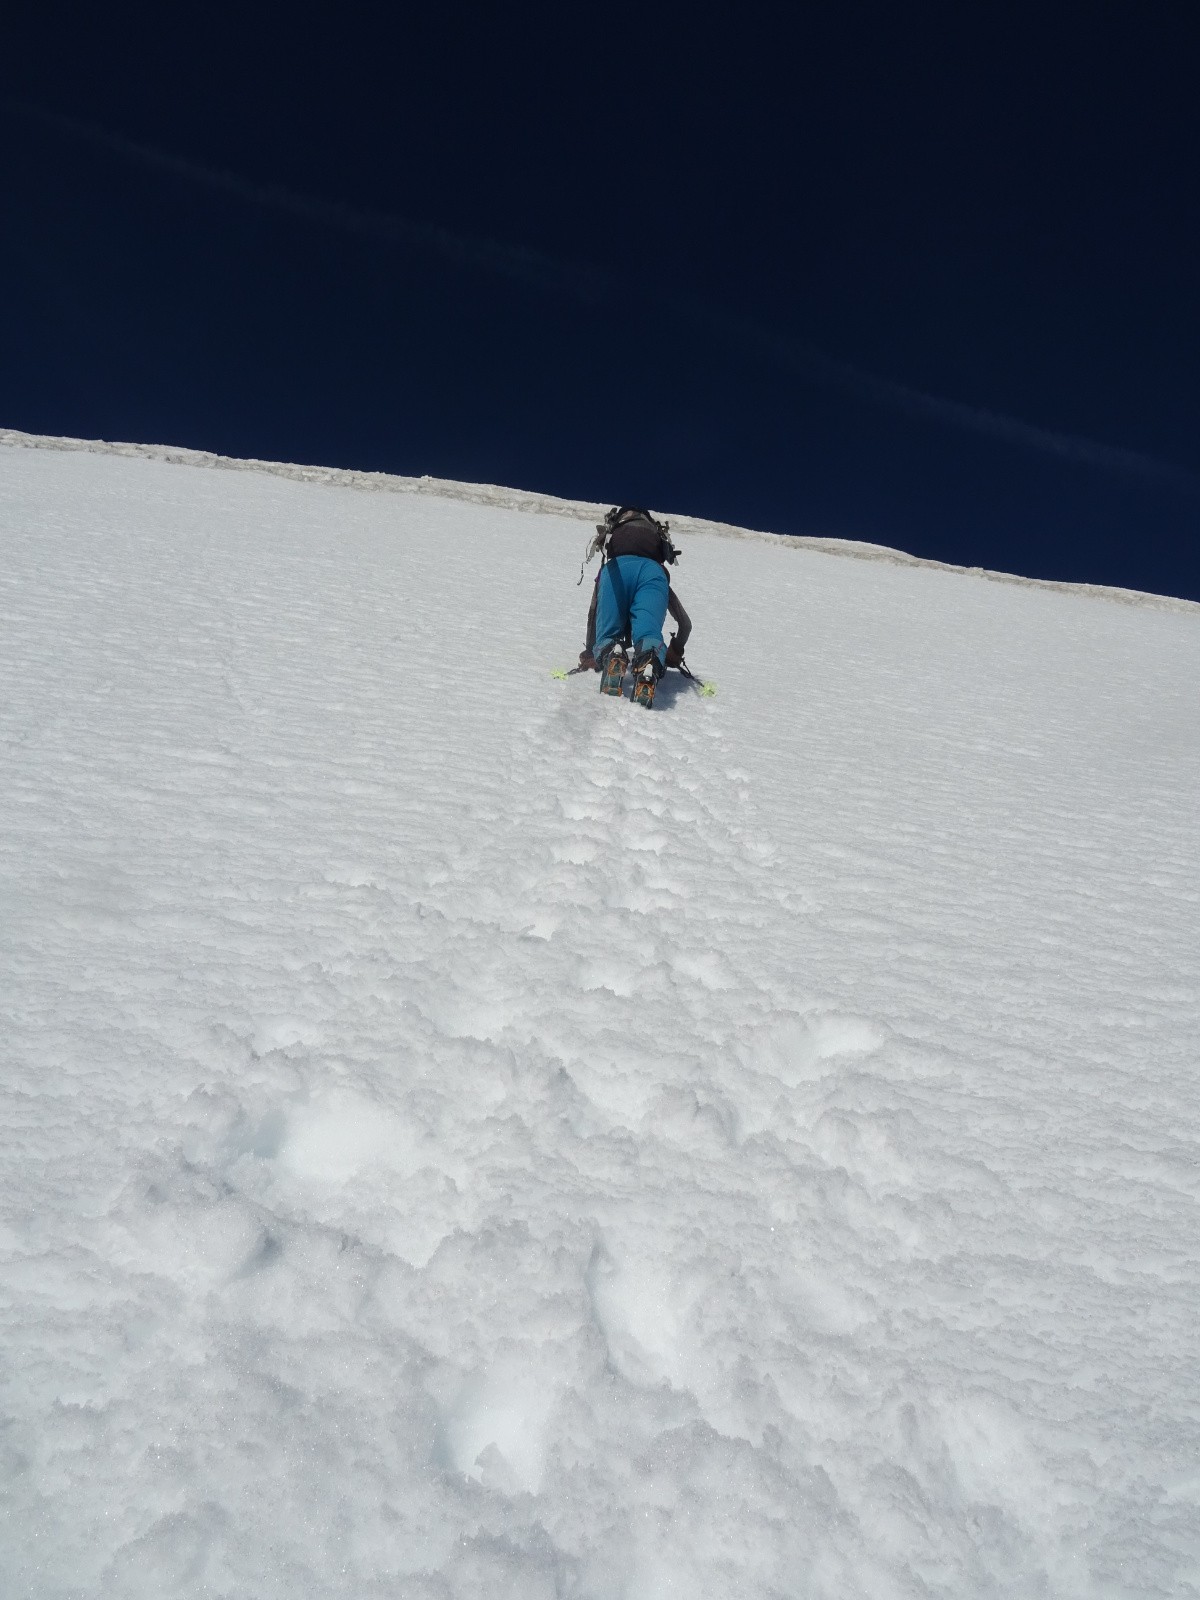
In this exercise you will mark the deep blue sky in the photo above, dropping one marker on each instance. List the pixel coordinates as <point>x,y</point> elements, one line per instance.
<point>980,210</point>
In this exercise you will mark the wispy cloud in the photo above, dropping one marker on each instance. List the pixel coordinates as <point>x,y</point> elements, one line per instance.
<point>488,255</point>
<point>533,268</point>
<point>754,339</point>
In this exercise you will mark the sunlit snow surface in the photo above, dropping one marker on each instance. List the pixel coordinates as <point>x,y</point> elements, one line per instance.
<point>462,1136</point>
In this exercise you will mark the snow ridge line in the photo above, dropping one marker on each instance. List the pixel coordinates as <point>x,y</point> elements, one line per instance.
<point>538,504</point>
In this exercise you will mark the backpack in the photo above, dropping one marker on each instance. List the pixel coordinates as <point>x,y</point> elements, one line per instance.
<point>617,518</point>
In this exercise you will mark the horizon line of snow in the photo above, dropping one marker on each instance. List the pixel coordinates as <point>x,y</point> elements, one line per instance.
<point>541,504</point>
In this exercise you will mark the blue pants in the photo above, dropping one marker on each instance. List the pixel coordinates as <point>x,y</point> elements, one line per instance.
<point>633,594</point>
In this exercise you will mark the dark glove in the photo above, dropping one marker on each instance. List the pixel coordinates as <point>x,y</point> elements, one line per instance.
<point>588,662</point>
<point>674,654</point>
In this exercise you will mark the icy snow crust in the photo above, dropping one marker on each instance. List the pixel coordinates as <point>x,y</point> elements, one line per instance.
<point>527,500</point>
<point>465,1137</point>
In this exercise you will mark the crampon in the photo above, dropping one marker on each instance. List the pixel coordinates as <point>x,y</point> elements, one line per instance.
<point>612,667</point>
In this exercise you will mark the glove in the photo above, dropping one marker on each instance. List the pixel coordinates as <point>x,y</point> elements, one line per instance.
<point>587,661</point>
<point>674,653</point>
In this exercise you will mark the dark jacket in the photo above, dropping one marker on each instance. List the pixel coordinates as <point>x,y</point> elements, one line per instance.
<point>638,536</point>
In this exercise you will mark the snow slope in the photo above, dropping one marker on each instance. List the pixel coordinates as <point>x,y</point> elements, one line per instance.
<point>460,1136</point>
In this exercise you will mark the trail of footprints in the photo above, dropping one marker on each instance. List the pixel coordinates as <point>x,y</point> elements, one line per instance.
<point>580,980</point>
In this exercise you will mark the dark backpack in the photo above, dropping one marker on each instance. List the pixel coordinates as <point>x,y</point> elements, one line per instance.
<point>631,530</point>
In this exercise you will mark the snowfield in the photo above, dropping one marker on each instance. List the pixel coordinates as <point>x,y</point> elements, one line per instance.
<point>464,1137</point>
